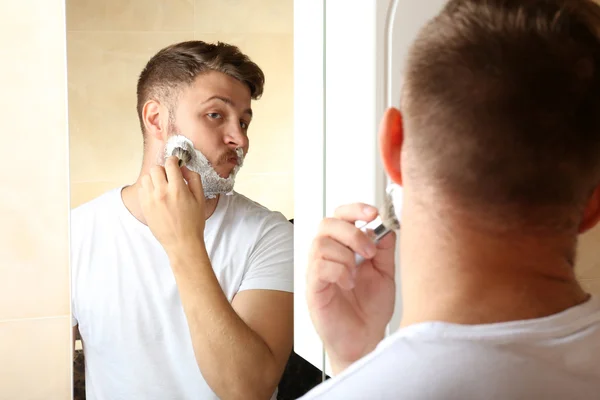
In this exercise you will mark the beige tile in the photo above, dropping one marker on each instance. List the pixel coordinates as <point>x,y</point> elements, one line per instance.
<point>138,15</point>
<point>588,262</point>
<point>34,272</point>
<point>103,68</point>
<point>82,192</point>
<point>274,191</point>
<point>34,279</point>
<point>271,131</point>
<point>592,286</point>
<point>32,69</point>
<point>244,16</point>
<point>36,359</point>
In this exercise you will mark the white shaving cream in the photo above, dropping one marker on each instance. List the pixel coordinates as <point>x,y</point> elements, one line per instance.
<point>212,183</point>
<point>395,192</point>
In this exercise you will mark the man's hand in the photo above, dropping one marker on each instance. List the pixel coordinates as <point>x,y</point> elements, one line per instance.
<point>174,210</point>
<point>350,306</point>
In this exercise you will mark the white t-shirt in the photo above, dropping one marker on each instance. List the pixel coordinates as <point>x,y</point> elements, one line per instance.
<point>125,300</point>
<point>551,358</point>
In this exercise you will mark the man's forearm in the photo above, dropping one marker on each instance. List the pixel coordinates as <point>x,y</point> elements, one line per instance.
<point>234,360</point>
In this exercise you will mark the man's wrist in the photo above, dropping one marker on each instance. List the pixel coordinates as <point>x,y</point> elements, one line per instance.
<point>338,364</point>
<point>188,253</point>
<point>338,367</point>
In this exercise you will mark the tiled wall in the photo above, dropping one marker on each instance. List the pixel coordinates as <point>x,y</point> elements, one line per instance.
<point>109,43</point>
<point>588,264</point>
<point>35,347</point>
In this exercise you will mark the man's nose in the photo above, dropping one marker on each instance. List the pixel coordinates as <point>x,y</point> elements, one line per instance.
<point>236,135</point>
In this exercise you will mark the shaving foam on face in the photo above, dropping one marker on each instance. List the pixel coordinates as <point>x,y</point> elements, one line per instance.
<point>212,183</point>
<point>395,192</point>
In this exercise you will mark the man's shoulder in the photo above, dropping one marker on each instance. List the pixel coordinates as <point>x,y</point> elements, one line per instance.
<point>511,358</point>
<point>100,207</point>
<point>381,369</point>
<point>251,212</point>
<point>403,367</point>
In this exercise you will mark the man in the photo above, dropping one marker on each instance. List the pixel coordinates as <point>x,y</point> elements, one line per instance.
<point>178,296</point>
<point>497,148</point>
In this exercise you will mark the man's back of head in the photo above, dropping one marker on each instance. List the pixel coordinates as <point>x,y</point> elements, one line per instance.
<point>502,110</point>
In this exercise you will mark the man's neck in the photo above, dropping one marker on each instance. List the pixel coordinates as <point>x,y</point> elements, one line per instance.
<point>456,274</point>
<point>129,195</point>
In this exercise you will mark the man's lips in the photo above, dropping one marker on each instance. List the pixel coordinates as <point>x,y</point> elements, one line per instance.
<point>233,160</point>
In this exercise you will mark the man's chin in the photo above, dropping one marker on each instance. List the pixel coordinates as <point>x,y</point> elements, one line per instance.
<point>227,174</point>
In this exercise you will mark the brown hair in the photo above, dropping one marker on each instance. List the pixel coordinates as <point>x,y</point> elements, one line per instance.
<point>502,102</point>
<point>178,65</point>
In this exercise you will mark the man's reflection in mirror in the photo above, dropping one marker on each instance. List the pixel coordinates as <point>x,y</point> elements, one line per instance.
<point>176,295</point>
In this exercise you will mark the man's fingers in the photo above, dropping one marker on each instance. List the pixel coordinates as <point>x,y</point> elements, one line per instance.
<point>194,183</point>
<point>159,181</point>
<point>331,263</point>
<point>348,235</point>
<point>387,242</point>
<point>356,212</point>
<point>329,249</point>
<point>327,272</point>
<point>173,171</point>
<point>146,184</point>
<point>385,260</point>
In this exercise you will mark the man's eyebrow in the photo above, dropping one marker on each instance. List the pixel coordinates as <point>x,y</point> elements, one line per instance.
<point>229,102</point>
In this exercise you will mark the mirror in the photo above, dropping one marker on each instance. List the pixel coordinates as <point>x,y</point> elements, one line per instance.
<point>325,170</point>
<point>191,320</point>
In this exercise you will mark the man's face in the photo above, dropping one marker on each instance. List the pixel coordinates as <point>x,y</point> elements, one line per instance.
<point>214,113</point>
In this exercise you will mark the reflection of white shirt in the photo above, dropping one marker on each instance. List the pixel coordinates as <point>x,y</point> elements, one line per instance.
<point>124,298</point>
<point>556,357</point>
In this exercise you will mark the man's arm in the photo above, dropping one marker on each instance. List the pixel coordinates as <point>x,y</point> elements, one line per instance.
<point>240,356</point>
<point>241,348</point>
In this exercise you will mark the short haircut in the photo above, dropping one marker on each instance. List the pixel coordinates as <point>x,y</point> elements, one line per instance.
<point>502,104</point>
<point>178,65</point>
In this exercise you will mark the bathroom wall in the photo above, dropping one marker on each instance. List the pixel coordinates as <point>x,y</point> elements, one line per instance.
<point>109,43</point>
<point>588,263</point>
<point>35,332</point>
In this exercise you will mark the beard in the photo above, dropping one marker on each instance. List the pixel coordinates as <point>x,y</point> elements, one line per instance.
<point>212,183</point>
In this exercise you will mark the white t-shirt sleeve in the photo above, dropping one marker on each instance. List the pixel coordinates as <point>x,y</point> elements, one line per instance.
<point>271,262</point>
<point>75,248</point>
<point>74,321</point>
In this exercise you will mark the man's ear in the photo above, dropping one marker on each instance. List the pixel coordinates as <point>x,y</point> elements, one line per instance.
<point>155,120</point>
<point>391,139</point>
<point>591,214</point>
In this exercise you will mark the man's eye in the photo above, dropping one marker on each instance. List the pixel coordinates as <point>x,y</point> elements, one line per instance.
<point>244,124</point>
<point>214,115</point>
